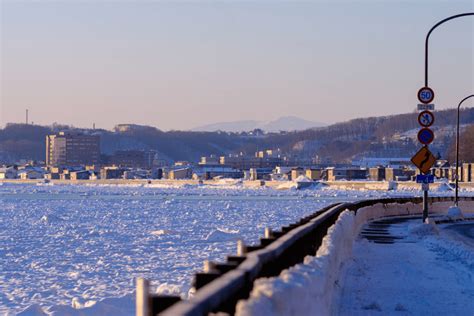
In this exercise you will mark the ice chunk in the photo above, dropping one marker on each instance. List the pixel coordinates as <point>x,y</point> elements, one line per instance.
<point>223,235</point>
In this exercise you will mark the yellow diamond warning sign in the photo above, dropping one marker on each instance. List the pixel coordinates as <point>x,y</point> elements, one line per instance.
<point>424,160</point>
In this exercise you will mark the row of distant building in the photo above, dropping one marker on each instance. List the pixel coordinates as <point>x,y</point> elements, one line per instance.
<point>75,156</point>
<point>181,171</point>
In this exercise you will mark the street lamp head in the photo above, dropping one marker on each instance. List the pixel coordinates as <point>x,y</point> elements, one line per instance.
<point>462,101</point>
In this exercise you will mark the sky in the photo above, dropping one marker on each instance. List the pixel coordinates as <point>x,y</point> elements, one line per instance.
<point>178,65</point>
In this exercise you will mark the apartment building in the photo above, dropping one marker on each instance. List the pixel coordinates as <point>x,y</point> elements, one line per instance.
<point>72,149</point>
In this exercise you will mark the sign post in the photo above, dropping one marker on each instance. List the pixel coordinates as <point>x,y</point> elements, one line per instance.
<point>426,95</point>
<point>424,159</point>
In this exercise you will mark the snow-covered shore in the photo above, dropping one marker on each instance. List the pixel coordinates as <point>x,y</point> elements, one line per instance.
<point>66,247</point>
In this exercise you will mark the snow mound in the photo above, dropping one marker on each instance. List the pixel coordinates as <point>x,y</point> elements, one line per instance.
<point>444,187</point>
<point>79,303</point>
<point>229,181</point>
<point>33,310</point>
<point>169,289</point>
<point>287,185</point>
<point>221,234</point>
<point>454,212</point>
<point>50,218</point>
<point>160,232</point>
<point>302,178</point>
<point>427,229</point>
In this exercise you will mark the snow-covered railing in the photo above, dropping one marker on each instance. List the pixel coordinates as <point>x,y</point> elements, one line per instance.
<point>221,285</point>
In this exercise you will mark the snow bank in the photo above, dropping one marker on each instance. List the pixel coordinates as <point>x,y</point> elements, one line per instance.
<point>394,209</point>
<point>287,185</point>
<point>221,234</point>
<point>305,289</point>
<point>308,288</point>
<point>303,178</point>
<point>424,229</point>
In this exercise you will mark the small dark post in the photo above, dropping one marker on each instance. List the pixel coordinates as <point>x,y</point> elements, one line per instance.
<point>425,205</point>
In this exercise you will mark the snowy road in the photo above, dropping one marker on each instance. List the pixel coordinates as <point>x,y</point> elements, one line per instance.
<point>421,273</point>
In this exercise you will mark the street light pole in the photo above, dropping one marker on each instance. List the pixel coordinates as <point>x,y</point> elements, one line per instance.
<point>425,193</point>
<point>457,151</point>
<point>428,37</point>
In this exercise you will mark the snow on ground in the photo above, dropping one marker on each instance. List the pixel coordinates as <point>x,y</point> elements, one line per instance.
<point>73,245</point>
<point>64,247</point>
<point>429,273</point>
<point>314,286</point>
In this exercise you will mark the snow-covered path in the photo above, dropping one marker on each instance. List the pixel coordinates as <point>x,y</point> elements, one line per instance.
<point>427,272</point>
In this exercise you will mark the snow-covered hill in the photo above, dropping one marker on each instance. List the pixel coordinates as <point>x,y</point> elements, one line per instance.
<point>287,123</point>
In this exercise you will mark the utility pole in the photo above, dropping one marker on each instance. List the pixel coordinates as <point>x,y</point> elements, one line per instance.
<point>26,116</point>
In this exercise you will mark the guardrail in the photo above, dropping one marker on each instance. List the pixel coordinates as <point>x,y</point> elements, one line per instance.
<point>221,285</point>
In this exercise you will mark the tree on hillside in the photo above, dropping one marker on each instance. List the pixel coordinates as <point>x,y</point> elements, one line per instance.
<point>466,148</point>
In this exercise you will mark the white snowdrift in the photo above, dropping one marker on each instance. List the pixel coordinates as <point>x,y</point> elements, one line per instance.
<point>302,179</point>
<point>221,234</point>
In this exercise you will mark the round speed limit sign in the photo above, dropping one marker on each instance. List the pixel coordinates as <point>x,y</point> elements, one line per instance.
<point>426,118</point>
<point>425,95</point>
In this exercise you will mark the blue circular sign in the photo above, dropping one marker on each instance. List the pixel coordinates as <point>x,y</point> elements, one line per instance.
<point>426,118</point>
<point>425,95</point>
<point>425,136</point>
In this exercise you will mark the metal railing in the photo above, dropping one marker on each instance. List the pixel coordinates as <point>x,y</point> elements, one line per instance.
<point>221,285</point>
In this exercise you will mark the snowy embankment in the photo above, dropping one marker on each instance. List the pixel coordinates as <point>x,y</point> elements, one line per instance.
<point>308,288</point>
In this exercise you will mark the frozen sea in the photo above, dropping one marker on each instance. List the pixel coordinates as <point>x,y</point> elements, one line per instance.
<point>73,245</point>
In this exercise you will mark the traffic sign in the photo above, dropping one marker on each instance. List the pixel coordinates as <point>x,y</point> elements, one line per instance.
<point>425,178</point>
<point>426,107</point>
<point>424,159</point>
<point>425,136</point>
<point>425,95</point>
<point>426,118</point>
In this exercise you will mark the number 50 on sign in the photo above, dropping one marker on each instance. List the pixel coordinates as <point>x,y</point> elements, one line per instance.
<point>425,95</point>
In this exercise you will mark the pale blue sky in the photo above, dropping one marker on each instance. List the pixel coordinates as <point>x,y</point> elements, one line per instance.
<point>177,65</point>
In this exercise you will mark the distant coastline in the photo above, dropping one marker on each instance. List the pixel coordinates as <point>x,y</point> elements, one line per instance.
<point>280,185</point>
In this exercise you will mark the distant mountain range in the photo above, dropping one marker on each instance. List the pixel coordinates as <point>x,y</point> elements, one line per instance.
<point>287,123</point>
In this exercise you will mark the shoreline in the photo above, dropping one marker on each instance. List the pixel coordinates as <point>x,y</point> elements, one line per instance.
<point>282,185</point>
